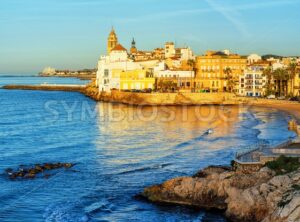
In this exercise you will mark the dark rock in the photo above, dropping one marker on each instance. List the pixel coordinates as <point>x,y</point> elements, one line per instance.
<point>47,166</point>
<point>29,176</point>
<point>38,168</point>
<point>32,172</point>
<point>68,165</point>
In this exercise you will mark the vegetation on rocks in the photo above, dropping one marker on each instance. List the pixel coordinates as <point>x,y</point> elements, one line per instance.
<point>284,165</point>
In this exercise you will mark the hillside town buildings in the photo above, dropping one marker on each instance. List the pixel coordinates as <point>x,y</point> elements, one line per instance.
<point>177,69</point>
<point>139,70</point>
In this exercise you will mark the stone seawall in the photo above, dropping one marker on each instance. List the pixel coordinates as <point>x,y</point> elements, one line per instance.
<point>179,98</point>
<point>162,98</point>
<point>67,88</point>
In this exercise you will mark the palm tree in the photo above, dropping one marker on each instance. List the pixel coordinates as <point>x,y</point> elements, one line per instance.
<point>229,79</point>
<point>269,85</point>
<point>292,69</point>
<point>192,64</point>
<point>281,76</point>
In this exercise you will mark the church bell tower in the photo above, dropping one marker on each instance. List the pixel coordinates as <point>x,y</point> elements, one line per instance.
<point>133,49</point>
<point>112,41</point>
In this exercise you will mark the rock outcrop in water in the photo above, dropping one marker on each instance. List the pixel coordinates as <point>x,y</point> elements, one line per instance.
<point>257,196</point>
<point>31,172</point>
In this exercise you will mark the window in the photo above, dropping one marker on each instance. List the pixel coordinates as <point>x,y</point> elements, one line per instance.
<point>106,72</point>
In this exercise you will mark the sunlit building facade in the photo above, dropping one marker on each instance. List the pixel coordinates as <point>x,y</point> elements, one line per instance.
<point>219,72</point>
<point>253,82</point>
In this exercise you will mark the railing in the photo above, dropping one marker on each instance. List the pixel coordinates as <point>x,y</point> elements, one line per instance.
<point>250,149</point>
<point>284,144</point>
<point>259,147</point>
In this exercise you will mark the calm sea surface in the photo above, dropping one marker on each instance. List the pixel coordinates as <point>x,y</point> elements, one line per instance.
<point>118,150</point>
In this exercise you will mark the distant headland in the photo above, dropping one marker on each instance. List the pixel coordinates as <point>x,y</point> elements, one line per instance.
<point>81,74</point>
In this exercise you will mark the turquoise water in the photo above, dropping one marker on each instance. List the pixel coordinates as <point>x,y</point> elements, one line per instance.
<point>118,150</point>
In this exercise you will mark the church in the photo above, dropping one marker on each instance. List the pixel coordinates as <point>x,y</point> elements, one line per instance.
<point>137,69</point>
<point>117,70</point>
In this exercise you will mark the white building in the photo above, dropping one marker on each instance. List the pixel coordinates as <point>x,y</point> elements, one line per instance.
<point>161,71</point>
<point>116,60</point>
<point>252,82</point>
<point>48,71</point>
<point>278,65</point>
<point>174,74</point>
<point>170,49</point>
<point>148,64</point>
<point>253,58</point>
<point>226,51</point>
<point>159,67</point>
<point>186,54</point>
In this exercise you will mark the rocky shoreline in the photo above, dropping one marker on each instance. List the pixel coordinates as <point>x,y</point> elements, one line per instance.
<point>254,196</point>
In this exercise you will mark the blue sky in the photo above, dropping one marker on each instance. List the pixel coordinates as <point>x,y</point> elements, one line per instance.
<point>72,33</point>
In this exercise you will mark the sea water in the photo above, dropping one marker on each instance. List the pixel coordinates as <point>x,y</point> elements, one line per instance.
<point>118,150</point>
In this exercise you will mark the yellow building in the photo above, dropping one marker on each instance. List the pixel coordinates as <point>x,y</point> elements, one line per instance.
<point>112,41</point>
<point>294,84</point>
<point>218,72</point>
<point>133,79</point>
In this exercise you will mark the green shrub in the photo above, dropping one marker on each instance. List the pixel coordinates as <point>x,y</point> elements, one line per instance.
<point>296,187</point>
<point>283,164</point>
<point>282,203</point>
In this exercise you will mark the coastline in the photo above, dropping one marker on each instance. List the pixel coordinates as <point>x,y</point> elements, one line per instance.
<point>82,77</point>
<point>163,99</point>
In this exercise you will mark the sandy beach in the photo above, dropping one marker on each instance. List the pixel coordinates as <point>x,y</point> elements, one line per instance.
<point>291,108</point>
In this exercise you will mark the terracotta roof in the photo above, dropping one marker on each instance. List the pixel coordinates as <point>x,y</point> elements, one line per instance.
<point>175,58</point>
<point>119,47</point>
